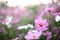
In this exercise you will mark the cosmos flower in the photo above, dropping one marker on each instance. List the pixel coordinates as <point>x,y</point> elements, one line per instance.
<point>46,11</point>
<point>9,11</point>
<point>41,24</point>
<point>33,34</point>
<point>55,29</point>
<point>55,14</point>
<point>2,10</point>
<point>49,12</point>
<point>3,21</point>
<point>50,9</point>
<point>57,9</point>
<point>48,34</point>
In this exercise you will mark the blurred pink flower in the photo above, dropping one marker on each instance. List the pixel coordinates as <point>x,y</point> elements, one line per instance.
<point>9,11</point>
<point>18,11</point>
<point>33,34</point>
<point>41,24</point>
<point>2,10</point>
<point>3,21</point>
<point>55,29</point>
<point>57,9</point>
<point>46,12</point>
<point>48,34</point>
<point>15,21</point>
<point>55,14</point>
<point>50,9</point>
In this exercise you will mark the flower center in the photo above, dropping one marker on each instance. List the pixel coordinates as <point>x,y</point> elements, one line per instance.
<point>34,36</point>
<point>49,10</point>
<point>40,24</point>
<point>49,16</point>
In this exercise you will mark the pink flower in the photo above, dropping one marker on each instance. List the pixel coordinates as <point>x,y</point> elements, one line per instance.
<point>57,9</point>
<point>48,34</point>
<point>33,34</point>
<point>41,24</point>
<point>18,11</point>
<point>46,11</point>
<point>50,9</point>
<point>2,10</point>
<point>9,11</point>
<point>55,14</point>
<point>15,20</point>
<point>3,21</point>
<point>55,29</point>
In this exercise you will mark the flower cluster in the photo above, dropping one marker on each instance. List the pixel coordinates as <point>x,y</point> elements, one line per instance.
<point>12,15</point>
<point>46,24</point>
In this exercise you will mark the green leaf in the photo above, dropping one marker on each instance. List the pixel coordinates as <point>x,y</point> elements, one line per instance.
<point>12,33</point>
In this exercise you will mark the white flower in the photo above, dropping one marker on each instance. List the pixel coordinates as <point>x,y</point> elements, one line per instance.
<point>34,31</point>
<point>25,26</point>
<point>8,21</point>
<point>57,18</point>
<point>9,26</point>
<point>29,25</point>
<point>21,27</point>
